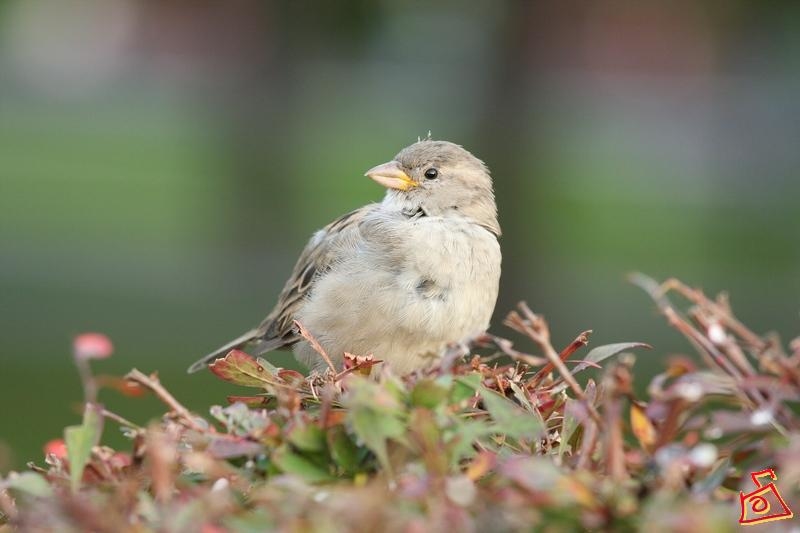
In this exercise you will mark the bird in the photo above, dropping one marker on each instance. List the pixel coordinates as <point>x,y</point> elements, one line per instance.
<point>402,279</point>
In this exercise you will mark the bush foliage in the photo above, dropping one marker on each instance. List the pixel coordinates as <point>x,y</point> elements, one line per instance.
<point>505,441</point>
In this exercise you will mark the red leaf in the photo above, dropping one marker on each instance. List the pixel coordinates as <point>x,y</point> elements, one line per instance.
<point>249,401</point>
<point>242,369</point>
<point>292,377</point>
<point>121,385</point>
<point>361,364</point>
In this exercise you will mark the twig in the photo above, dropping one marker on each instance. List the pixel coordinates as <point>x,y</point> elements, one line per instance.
<point>669,427</point>
<point>590,430</point>
<point>618,384</point>
<point>726,355</point>
<point>152,383</point>
<point>579,342</point>
<point>163,456</point>
<point>588,443</point>
<point>705,348</point>
<point>314,344</point>
<point>728,344</point>
<point>119,420</point>
<point>507,347</point>
<point>535,327</point>
<point>87,380</point>
<point>615,453</point>
<point>723,312</point>
<point>730,347</point>
<point>702,343</point>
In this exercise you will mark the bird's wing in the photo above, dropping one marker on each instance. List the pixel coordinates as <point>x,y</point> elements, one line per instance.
<point>322,251</point>
<point>277,329</point>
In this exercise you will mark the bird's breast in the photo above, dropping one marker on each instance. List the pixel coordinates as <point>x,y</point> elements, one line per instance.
<point>409,289</point>
<point>453,268</point>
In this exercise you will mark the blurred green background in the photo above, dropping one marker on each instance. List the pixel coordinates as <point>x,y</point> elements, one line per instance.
<point>163,163</point>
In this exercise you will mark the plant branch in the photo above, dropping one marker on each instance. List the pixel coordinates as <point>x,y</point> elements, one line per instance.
<point>315,345</point>
<point>151,382</point>
<point>535,327</point>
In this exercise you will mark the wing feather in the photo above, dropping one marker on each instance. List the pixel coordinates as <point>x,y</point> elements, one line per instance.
<point>276,331</point>
<point>319,254</point>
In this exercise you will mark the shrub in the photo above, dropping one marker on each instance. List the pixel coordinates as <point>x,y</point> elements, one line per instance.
<point>505,441</point>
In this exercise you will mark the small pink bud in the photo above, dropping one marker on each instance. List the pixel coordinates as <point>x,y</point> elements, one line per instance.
<point>92,346</point>
<point>56,447</point>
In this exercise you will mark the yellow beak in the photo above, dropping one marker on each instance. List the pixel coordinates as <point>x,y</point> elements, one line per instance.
<point>390,175</point>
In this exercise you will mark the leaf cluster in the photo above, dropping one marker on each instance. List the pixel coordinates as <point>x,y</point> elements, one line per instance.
<point>509,441</point>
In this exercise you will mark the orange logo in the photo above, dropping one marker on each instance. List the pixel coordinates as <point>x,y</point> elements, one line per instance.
<point>759,507</point>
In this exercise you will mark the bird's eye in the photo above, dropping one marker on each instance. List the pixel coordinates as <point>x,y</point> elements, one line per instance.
<point>431,174</point>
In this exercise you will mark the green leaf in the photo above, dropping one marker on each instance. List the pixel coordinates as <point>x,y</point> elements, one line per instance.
<point>465,387</point>
<point>257,520</point>
<point>427,441</point>
<point>428,393</point>
<point>146,506</point>
<point>307,437</point>
<point>29,483</point>
<point>462,436</point>
<point>568,427</point>
<point>242,369</point>
<point>509,419</point>
<point>80,440</point>
<point>270,368</point>
<point>501,409</point>
<point>602,353</point>
<point>521,397</point>
<point>293,463</point>
<point>374,429</point>
<point>376,414</point>
<point>715,479</point>
<point>394,386</point>
<point>344,451</point>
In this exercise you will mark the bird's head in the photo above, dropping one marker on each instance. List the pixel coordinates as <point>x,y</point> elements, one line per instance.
<point>439,178</point>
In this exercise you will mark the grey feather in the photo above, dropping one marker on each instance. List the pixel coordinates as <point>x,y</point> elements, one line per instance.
<point>223,350</point>
<point>276,331</point>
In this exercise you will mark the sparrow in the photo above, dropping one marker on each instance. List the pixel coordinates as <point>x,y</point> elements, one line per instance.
<point>401,279</point>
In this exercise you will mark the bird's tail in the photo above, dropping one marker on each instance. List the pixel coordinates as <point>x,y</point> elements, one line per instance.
<point>238,342</point>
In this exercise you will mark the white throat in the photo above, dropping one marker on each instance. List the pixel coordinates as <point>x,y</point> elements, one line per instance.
<point>400,203</point>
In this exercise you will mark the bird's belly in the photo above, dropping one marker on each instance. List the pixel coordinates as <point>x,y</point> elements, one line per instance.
<point>405,308</point>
